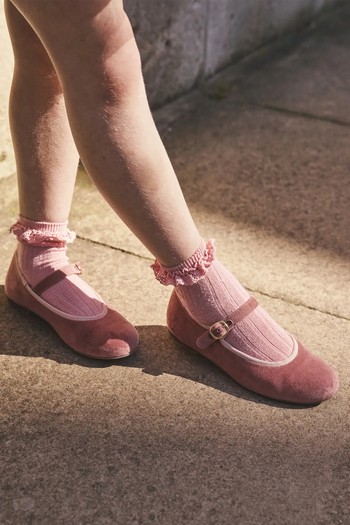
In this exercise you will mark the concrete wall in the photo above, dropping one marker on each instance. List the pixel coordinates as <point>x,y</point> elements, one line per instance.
<point>181,41</point>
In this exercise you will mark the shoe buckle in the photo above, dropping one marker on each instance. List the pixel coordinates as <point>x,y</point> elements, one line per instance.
<point>220,329</point>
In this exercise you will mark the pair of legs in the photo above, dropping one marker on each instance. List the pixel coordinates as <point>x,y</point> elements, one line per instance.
<point>87,51</point>
<point>78,86</point>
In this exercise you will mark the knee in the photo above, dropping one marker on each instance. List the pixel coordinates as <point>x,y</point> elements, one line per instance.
<point>33,61</point>
<point>91,44</point>
<point>105,53</point>
<point>30,55</point>
<point>121,65</point>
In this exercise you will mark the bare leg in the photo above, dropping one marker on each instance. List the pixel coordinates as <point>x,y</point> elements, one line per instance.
<point>45,152</point>
<point>111,121</point>
<point>47,161</point>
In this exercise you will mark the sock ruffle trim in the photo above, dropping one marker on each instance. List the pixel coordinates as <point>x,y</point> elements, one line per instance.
<point>190,271</point>
<point>49,234</point>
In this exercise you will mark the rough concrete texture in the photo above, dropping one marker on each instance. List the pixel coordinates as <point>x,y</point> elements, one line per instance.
<point>187,40</point>
<point>235,28</point>
<point>181,42</point>
<point>171,37</point>
<point>164,437</point>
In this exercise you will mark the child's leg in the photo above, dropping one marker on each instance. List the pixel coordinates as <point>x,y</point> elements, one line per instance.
<point>99,68</point>
<point>46,155</point>
<point>47,162</point>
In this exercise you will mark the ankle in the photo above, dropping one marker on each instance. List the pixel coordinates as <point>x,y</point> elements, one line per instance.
<point>42,247</point>
<point>188,272</point>
<point>42,233</point>
<point>41,251</point>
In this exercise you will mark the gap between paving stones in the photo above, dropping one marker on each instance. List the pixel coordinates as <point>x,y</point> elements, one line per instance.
<point>300,114</point>
<point>116,248</point>
<point>254,290</point>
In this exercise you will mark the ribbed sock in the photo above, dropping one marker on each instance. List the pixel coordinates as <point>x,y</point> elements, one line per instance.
<point>210,293</point>
<point>42,250</point>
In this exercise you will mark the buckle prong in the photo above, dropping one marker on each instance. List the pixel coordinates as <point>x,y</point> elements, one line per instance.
<point>220,329</point>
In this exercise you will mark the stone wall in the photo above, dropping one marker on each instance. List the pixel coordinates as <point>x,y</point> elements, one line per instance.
<point>181,42</point>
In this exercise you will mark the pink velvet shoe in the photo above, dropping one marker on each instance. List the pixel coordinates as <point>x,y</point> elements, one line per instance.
<point>301,379</point>
<point>106,336</point>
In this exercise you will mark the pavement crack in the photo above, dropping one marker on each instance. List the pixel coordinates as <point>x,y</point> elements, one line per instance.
<point>253,290</point>
<point>122,250</point>
<point>298,303</point>
<point>303,114</point>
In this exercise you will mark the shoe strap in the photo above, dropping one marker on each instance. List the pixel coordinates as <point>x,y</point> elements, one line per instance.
<point>56,277</point>
<point>220,329</point>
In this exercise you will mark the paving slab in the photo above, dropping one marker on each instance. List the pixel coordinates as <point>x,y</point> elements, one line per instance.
<point>304,73</point>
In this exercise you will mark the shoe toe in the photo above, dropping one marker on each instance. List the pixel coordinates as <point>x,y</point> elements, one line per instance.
<point>119,345</point>
<point>317,381</point>
<point>111,337</point>
<point>305,380</point>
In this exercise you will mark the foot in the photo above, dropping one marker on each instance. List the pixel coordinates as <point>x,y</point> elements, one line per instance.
<point>41,279</point>
<point>211,312</point>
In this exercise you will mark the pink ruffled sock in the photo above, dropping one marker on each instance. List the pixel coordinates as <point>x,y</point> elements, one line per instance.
<point>41,250</point>
<point>210,293</point>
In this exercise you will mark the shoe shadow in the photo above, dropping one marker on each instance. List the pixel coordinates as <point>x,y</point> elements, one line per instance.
<point>23,334</point>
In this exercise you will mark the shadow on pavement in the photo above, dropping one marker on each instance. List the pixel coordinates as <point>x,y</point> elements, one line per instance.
<point>159,352</point>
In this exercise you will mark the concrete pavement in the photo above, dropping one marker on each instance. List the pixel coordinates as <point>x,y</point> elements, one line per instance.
<point>262,153</point>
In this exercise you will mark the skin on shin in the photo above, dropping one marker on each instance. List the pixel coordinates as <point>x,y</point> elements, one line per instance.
<point>46,155</point>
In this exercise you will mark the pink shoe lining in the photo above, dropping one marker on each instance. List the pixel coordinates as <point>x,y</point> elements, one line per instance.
<point>44,237</point>
<point>190,271</point>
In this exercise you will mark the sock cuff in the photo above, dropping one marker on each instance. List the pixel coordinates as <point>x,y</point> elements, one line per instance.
<point>188,272</point>
<point>40,233</point>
